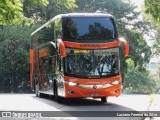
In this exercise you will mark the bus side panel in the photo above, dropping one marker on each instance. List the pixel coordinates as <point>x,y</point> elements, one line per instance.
<point>31,65</point>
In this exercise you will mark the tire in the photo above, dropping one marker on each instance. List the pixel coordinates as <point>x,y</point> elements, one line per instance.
<point>104,99</point>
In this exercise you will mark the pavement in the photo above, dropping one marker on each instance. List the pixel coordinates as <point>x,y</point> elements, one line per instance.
<point>154,105</point>
<point>29,102</point>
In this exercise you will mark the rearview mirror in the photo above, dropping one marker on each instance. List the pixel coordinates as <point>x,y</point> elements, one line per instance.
<point>62,48</point>
<point>125,46</point>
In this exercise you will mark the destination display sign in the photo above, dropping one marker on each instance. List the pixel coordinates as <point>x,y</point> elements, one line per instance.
<point>77,51</point>
<point>96,52</point>
<point>106,51</point>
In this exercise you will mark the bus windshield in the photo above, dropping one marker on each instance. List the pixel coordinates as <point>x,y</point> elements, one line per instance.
<point>88,29</point>
<point>92,63</point>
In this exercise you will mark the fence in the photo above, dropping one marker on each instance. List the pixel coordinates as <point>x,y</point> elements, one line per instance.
<point>10,83</point>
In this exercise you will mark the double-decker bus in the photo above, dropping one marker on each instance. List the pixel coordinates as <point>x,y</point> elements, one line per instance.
<point>77,55</point>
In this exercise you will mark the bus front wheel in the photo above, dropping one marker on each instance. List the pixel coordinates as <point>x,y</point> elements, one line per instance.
<point>104,99</point>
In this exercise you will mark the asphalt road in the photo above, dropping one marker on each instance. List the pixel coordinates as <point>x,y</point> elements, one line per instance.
<point>85,109</point>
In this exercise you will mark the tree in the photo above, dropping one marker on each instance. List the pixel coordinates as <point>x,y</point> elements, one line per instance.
<point>152,7</point>
<point>158,77</point>
<point>15,12</point>
<point>10,11</point>
<point>156,45</point>
<point>14,57</point>
<point>138,82</point>
<point>140,52</point>
<point>14,47</point>
<point>44,12</point>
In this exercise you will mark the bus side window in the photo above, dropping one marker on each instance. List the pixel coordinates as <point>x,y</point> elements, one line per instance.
<point>43,65</point>
<point>60,63</point>
<point>52,58</point>
<point>49,66</point>
<point>52,64</point>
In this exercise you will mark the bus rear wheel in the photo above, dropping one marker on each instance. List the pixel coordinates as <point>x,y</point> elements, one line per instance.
<point>104,99</point>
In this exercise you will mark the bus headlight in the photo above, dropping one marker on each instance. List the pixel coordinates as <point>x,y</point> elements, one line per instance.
<point>116,82</point>
<point>72,84</point>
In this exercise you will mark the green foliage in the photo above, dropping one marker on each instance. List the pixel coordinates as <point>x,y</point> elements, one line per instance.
<point>45,12</point>
<point>69,4</point>
<point>156,45</point>
<point>114,7</point>
<point>152,7</point>
<point>14,50</point>
<point>130,63</point>
<point>140,52</point>
<point>10,12</point>
<point>16,12</point>
<point>30,7</point>
<point>58,7</point>
<point>33,3</point>
<point>138,82</point>
<point>158,78</point>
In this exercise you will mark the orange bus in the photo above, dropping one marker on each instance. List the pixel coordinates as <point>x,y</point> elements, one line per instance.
<point>77,55</point>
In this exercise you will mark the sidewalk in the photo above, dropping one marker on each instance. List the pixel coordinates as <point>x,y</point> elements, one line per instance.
<point>155,106</point>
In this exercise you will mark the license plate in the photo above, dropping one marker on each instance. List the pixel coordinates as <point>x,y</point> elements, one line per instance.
<point>94,95</point>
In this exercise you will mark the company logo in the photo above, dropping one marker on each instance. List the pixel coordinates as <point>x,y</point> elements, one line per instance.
<point>94,86</point>
<point>6,114</point>
<point>90,45</point>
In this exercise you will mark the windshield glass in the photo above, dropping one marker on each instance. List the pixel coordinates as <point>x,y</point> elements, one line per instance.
<point>92,63</point>
<point>88,28</point>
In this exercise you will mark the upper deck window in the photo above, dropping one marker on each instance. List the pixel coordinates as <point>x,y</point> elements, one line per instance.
<point>85,29</point>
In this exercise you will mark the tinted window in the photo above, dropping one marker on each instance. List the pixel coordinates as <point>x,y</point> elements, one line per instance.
<point>43,36</point>
<point>88,28</point>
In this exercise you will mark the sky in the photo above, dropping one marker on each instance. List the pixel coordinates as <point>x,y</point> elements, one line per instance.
<point>138,3</point>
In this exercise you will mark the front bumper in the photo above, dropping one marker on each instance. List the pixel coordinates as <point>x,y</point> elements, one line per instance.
<point>95,91</point>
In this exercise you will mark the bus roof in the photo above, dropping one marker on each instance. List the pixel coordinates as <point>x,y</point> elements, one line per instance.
<point>74,15</point>
<point>86,15</point>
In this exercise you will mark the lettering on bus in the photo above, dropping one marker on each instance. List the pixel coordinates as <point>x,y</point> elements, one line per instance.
<point>81,51</point>
<point>90,45</point>
<point>43,52</point>
<point>106,51</point>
